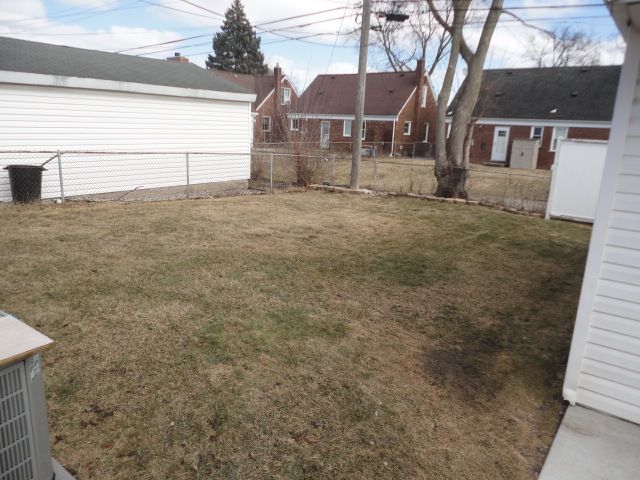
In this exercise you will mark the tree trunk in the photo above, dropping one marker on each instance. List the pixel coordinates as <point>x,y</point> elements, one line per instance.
<point>452,165</point>
<point>442,168</point>
<point>451,182</point>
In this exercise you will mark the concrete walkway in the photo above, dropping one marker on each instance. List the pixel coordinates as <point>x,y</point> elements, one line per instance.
<point>593,446</point>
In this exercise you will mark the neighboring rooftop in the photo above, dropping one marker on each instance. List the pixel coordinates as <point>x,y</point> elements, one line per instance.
<point>385,93</point>
<point>557,93</point>
<point>261,85</point>
<point>43,58</point>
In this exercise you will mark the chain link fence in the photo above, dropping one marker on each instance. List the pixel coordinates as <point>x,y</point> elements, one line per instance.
<point>152,176</point>
<point>63,176</point>
<point>520,189</point>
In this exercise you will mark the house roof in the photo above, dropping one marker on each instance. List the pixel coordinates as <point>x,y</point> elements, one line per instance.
<point>385,94</point>
<point>46,59</point>
<point>261,85</point>
<point>557,93</point>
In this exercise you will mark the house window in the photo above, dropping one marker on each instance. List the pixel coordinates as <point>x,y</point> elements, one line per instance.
<point>266,123</point>
<point>448,129</point>
<point>536,133</point>
<point>286,96</point>
<point>559,133</point>
<point>364,130</point>
<point>346,128</point>
<point>407,128</point>
<point>295,124</point>
<point>426,132</point>
<point>423,96</point>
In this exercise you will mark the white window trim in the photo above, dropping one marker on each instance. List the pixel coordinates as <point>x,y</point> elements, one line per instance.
<point>291,124</point>
<point>404,128</point>
<point>344,128</point>
<point>555,137</point>
<point>263,119</point>
<point>423,96</point>
<point>283,100</point>
<point>533,130</point>
<point>426,132</point>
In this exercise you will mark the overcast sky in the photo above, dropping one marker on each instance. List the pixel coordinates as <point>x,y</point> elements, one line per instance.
<point>117,25</point>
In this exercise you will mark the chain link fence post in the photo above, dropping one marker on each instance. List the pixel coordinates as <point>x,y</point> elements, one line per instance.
<point>333,169</point>
<point>271,173</point>
<point>375,167</point>
<point>187,163</point>
<point>60,176</point>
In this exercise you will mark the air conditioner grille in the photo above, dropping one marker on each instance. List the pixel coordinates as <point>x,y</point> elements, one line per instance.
<point>16,451</point>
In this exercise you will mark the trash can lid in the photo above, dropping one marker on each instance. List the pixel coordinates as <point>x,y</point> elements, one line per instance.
<point>34,167</point>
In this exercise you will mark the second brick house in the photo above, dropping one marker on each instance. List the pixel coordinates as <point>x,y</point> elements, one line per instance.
<point>547,104</point>
<point>275,97</point>
<point>399,112</point>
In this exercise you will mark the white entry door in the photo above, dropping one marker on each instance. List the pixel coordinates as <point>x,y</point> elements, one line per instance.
<point>324,133</point>
<point>500,144</point>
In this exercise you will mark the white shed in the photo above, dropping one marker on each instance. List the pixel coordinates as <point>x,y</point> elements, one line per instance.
<point>603,372</point>
<point>70,99</point>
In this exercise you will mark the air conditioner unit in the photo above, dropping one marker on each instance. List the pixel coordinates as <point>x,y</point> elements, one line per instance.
<point>25,452</point>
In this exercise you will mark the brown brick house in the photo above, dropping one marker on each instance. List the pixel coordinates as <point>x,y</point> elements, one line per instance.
<point>399,111</point>
<point>275,96</point>
<point>547,104</point>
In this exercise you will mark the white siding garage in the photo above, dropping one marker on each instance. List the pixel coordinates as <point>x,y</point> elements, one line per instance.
<point>45,118</point>
<point>55,98</point>
<point>604,365</point>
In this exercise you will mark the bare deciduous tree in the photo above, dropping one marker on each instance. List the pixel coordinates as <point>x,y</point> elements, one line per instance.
<point>564,46</point>
<point>452,161</point>
<point>420,37</point>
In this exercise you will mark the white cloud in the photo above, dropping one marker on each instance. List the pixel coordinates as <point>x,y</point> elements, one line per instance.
<point>19,13</point>
<point>302,75</point>
<point>92,5</point>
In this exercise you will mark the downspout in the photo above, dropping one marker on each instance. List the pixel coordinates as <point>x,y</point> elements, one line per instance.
<point>393,138</point>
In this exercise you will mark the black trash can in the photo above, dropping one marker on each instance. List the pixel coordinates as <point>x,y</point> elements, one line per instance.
<point>26,182</point>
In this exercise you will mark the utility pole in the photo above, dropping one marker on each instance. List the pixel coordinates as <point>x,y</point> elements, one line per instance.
<point>362,80</point>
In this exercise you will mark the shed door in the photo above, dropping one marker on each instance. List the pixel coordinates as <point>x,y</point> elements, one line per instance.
<point>324,134</point>
<point>500,143</point>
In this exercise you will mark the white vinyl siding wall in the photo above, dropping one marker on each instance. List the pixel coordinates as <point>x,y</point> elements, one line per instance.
<point>604,365</point>
<point>50,118</point>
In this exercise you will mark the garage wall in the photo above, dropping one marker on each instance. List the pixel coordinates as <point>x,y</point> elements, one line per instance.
<point>50,118</point>
<point>604,364</point>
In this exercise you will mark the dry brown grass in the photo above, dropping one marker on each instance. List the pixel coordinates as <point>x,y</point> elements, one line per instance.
<point>305,335</point>
<point>522,189</point>
<point>515,188</point>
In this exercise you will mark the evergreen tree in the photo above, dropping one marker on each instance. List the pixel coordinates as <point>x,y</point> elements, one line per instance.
<point>237,47</point>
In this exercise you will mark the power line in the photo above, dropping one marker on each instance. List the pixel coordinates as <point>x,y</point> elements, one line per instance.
<point>333,49</point>
<point>299,16</point>
<point>288,28</point>
<point>97,12</point>
<point>522,7</point>
<point>262,30</point>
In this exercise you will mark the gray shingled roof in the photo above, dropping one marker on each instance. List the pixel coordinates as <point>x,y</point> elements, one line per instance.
<point>575,93</point>
<point>35,57</point>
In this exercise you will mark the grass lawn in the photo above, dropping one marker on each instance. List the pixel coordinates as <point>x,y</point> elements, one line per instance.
<point>309,335</point>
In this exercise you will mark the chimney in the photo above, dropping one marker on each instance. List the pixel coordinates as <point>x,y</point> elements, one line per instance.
<point>417,128</point>
<point>178,58</point>
<point>277,82</point>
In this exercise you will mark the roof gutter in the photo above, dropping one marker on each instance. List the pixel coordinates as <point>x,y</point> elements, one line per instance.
<point>24,78</point>
<point>626,13</point>
<point>540,122</point>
